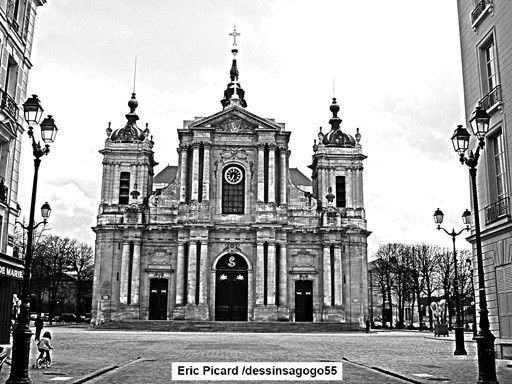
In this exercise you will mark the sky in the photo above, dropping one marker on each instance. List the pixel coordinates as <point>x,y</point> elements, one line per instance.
<point>393,66</point>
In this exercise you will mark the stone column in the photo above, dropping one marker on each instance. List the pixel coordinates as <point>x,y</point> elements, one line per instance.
<point>283,277</point>
<point>135,291</point>
<point>261,171</point>
<point>259,274</point>
<point>195,170</point>
<point>272,173</point>
<point>180,274</point>
<point>203,276</point>
<point>125,265</point>
<point>206,171</point>
<point>284,174</point>
<point>191,278</point>
<point>183,167</point>
<point>338,276</point>
<point>271,275</point>
<point>327,275</point>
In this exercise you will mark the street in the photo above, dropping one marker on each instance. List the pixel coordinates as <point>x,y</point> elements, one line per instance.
<point>82,354</point>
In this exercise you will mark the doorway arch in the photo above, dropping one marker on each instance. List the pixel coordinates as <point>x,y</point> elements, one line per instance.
<point>231,288</point>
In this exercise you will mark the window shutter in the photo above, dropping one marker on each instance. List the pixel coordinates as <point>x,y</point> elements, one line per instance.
<point>3,67</point>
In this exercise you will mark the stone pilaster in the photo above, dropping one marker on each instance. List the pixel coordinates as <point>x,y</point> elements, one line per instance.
<point>283,276</point>
<point>195,170</point>
<point>206,171</point>
<point>327,275</point>
<point>191,278</point>
<point>180,274</point>
<point>259,274</point>
<point>125,265</point>
<point>271,275</point>
<point>183,150</point>
<point>203,276</point>
<point>135,291</point>
<point>338,277</point>
<point>359,203</point>
<point>272,173</point>
<point>261,171</point>
<point>349,197</point>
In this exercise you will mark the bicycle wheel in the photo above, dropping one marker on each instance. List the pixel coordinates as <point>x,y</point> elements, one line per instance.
<point>48,363</point>
<point>39,362</point>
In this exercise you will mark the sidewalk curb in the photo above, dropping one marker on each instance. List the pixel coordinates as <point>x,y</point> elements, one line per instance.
<point>102,371</point>
<point>95,374</point>
<point>384,371</point>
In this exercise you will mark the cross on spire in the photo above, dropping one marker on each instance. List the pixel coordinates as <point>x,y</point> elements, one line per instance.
<point>234,34</point>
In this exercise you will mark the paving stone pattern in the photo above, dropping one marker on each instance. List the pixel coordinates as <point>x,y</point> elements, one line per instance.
<point>146,357</point>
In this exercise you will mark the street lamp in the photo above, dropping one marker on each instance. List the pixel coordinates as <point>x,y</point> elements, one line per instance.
<point>22,334</point>
<point>484,339</point>
<point>459,330</point>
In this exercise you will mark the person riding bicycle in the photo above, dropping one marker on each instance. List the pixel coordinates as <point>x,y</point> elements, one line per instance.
<point>44,345</point>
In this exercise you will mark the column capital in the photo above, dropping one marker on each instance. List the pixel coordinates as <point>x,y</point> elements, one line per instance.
<point>272,146</point>
<point>207,145</point>
<point>196,144</point>
<point>260,146</point>
<point>183,148</point>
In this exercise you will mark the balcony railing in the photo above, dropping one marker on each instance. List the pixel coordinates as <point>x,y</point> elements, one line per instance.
<point>496,211</point>
<point>491,99</point>
<point>8,105</point>
<point>479,10</point>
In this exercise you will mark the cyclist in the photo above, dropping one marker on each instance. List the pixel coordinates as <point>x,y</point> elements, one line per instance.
<point>44,346</point>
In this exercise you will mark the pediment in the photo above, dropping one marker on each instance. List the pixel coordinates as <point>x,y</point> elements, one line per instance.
<point>236,120</point>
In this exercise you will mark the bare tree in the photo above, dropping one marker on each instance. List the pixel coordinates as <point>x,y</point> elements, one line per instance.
<point>427,263</point>
<point>80,261</point>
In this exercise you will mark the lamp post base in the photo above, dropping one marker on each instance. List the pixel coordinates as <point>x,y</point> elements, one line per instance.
<point>486,362</point>
<point>20,356</point>
<point>459,341</point>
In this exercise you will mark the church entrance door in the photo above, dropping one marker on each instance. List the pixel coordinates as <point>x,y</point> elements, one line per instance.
<point>303,300</point>
<point>231,289</point>
<point>158,299</point>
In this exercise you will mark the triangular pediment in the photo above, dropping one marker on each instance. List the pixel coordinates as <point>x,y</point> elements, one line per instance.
<point>235,119</point>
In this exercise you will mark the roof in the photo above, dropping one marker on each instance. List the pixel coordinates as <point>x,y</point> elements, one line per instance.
<point>166,175</point>
<point>298,178</point>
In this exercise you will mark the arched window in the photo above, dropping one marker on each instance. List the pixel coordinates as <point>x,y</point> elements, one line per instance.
<point>233,190</point>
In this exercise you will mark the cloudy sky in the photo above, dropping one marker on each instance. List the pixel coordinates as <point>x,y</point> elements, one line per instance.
<point>395,67</point>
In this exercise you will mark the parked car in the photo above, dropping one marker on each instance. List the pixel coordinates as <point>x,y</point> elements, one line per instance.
<point>68,317</point>
<point>86,317</point>
<point>45,316</point>
<point>33,316</point>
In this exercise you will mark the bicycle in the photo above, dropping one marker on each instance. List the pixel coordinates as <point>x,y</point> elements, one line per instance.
<point>43,362</point>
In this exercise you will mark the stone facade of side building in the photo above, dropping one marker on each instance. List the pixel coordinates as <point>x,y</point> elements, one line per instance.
<point>231,237</point>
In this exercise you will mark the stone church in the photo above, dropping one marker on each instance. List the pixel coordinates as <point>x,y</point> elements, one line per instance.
<point>233,234</point>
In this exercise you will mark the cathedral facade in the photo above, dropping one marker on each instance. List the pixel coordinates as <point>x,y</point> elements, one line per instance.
<point>231,236</point>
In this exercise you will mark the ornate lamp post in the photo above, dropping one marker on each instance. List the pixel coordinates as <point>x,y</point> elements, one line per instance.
<point>22,334</point>
<point>459,330</point>
<point>484,339</point>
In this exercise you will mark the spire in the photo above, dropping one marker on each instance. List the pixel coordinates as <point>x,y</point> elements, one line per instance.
<point>234,94</point>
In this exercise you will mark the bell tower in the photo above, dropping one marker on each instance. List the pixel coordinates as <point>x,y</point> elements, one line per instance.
<point>128,163</point>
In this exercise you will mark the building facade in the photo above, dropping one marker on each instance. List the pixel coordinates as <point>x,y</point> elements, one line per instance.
<point>17,19</point>
<point>228,235</point>
<point>486,46</point>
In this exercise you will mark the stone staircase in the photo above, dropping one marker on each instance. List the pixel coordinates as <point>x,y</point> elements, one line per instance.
<point>227,326</point>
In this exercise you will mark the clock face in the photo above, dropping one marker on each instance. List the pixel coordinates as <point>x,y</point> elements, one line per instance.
<point>233,175</point>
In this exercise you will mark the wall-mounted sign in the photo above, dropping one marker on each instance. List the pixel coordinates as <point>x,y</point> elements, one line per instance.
<point>7,270</point>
